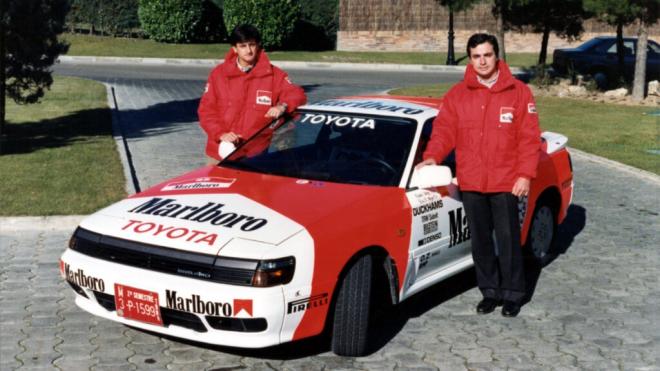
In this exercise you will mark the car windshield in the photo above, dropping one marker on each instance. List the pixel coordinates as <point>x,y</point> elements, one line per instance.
<point>336,147</point>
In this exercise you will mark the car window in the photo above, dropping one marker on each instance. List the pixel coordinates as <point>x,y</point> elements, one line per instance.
<point>598,43</point>
<point>628,48</point>
<point>653,47</point>
<point>330,146</point>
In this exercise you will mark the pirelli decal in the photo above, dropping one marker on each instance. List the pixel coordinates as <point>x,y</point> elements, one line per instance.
<point>307,303</point>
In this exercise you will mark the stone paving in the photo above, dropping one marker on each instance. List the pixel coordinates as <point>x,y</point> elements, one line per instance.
<point>595,307</point>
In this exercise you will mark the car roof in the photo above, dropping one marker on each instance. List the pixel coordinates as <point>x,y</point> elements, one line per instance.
<point>383,105</point>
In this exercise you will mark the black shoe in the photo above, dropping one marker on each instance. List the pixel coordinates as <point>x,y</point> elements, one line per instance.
<point>487,305</point>
<point>510,309</point>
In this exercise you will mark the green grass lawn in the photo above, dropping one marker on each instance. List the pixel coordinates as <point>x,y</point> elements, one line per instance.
<point>84,45</point>
<point>58,157</point>
<point>620,133</point>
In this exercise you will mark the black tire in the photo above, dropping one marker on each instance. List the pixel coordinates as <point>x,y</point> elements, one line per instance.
<point>350,325</point>
<point>601,80</point>
<point>542,232</point>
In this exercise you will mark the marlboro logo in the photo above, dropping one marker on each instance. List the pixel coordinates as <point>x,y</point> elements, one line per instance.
<point>200,183</point>
<point>211,212</point>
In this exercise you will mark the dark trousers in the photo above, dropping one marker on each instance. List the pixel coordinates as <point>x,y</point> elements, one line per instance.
<point>500,270</point>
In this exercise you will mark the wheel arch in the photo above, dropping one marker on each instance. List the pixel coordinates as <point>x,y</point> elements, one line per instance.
<point>550,195</point>
<point>384,271</point>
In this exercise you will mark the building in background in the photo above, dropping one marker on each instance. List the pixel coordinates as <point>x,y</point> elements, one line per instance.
<point>421,25</point>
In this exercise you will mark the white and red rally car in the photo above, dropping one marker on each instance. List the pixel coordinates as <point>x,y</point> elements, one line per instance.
<point>293,230</point>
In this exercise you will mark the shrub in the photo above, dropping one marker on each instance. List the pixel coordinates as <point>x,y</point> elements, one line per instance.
<point>172,21</point>
<point>275,19</point>
<point>112,17</point>
<point>317,27</point>
<point>211,28</point>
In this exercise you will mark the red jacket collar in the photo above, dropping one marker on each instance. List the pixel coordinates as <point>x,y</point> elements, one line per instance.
<point>504,80</point>
<point>263,66</point>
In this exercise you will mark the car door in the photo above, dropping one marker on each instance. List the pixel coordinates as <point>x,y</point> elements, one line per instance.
<point>439,242</point>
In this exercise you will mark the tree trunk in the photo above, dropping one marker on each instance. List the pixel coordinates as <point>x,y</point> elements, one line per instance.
<point>619,50</point>
<point>2,74</point>
<point>543,56</point>
<point>500,33</point>
<point>639,83</point>
<point>450,39</point>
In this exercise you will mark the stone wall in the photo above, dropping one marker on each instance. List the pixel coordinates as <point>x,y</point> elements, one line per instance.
<point>421,25</point>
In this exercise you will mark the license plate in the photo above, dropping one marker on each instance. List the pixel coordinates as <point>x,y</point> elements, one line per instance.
<point>137,304</point>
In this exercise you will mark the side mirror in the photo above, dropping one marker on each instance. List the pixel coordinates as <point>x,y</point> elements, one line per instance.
<point>431,176</point>
<point>225,149</point>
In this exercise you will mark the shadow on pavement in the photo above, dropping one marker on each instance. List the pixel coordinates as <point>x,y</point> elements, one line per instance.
<point>161,118</point>
<point>390,320</point>
<point>574,223</point>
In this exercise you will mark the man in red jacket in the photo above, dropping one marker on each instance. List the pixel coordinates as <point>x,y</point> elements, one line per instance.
<point>244,93</point>
<point>490,120</point>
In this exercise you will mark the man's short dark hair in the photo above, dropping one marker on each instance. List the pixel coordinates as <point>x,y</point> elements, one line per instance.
<point>480,38</point>
<point>244,33</point>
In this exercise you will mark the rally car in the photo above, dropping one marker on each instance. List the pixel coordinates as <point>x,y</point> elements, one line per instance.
<point>292,232</point>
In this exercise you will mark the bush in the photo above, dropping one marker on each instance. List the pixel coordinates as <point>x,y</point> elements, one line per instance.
<point>111,17</point>
<point>172,21</point>
<point>317,27</point>
<point>211,28</point>
<point>275,19</point>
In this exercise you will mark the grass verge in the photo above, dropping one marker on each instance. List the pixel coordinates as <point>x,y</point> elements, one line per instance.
<point>58,157</point>
<point>620,133</point>
<point>85,45</point>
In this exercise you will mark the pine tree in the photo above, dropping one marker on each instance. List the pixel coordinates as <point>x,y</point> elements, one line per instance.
<point>28,48</point>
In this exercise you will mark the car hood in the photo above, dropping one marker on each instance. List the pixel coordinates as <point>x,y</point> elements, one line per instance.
<point>204,210</point>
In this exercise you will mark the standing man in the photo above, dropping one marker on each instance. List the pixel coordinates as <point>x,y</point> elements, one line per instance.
<point>244,93</point>
<point>490,119</point>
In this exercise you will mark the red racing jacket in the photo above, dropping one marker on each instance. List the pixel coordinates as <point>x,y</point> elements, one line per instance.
<point>235,101</point>
<point>495,132</point>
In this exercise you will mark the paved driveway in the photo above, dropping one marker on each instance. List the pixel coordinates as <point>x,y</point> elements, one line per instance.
<point>597,306</point>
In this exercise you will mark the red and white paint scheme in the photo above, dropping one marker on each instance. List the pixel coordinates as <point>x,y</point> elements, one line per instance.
<point>269,246</point>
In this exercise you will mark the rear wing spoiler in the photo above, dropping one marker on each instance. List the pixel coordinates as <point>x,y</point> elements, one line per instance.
<point>553,142</point>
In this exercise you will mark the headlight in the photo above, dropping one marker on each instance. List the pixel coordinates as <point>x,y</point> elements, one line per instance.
<point>274,272</point>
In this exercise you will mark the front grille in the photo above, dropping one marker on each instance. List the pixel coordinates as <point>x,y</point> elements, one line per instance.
<point>237,324</point>
<point>105,300</point>
<point>162,259</point>
<point>182,319</point>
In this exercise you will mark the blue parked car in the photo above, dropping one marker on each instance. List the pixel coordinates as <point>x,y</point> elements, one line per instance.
<point>597,57</point>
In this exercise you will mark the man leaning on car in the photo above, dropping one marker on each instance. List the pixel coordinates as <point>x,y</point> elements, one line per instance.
<point>490,119</point>
<point>244,93</point>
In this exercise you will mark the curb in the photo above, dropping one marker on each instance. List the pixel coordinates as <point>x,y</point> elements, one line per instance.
<point>131,185</point>
<point>40,223</point>
<point>639,173</point>
<point>281,64</point>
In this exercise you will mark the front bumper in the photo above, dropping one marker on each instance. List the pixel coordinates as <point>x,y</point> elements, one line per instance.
<point>255,323</point>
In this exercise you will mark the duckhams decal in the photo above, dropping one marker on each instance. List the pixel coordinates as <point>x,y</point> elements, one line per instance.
<point>195,304</point>
<point>211,213</point>
<point>83,280</point>
<point>338,120</point>
<point>200,183</point>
